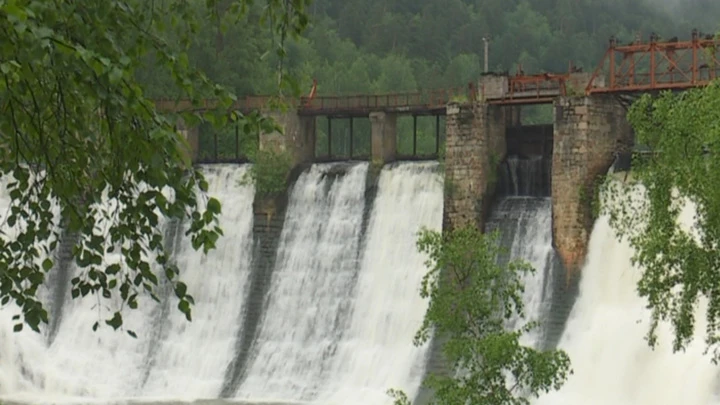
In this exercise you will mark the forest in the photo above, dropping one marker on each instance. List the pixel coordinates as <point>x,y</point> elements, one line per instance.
<point>382,46</point>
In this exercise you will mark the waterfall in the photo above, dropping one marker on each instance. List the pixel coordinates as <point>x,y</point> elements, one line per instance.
<point>376,352</point>
<point>315,272</point>
<point>604,338</point>
<point>183,361</point>
<point>525,230</point>
<point>189,361</point>
<point>342,303</point>
<point>526,176</point>
<point>340,310</point>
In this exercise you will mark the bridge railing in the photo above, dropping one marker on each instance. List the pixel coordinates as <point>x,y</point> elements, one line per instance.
<point>243,104</point>
<point>422,100</point>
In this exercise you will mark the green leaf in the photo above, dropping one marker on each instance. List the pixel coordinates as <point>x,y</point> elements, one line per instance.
<point>184,307</point>
<point>213,205</point>
<point>180,289</point>
<point>116,321</point>
<point>47,264</point>
<point>112,269</point>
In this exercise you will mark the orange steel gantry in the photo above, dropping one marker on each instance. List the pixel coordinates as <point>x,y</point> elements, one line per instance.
<point>656,65</point>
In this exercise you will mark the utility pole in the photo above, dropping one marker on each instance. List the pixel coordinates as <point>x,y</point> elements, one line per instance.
<point>486,43</point>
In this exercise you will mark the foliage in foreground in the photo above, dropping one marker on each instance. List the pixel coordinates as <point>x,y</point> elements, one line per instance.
<point>679,269</point>
<point>270,172</point>
<point>471,301</point>
<point>77,129</point>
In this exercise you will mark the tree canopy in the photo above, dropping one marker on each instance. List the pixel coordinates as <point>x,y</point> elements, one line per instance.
<point>82,142</point>
<point>680,261</point>
<point>472,300</point>
<point>378,46</point>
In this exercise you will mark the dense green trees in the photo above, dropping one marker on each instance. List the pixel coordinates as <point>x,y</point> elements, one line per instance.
<point>680,263</point>
<point>471,299</point>
<point>375,46</point>
<point>77,129</point>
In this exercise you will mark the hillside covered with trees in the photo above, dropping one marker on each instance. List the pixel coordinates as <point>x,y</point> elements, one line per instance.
<point>384,46</point>
<point>377,46</point>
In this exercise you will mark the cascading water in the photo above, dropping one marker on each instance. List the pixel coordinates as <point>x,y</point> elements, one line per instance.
<point>525,229</point>
<point>523,218</point>
<point>337,326</point>
<point>527,176</point>
<point>343,309</point>
<point>79,365</point>
<point>376,352</point>
<point>605,334</point>
<point>190,359</point>
<point>315,272</point>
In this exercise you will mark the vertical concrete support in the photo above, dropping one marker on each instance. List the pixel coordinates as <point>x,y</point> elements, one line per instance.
<point>492,86</point>
<point>192,137</point>
<point>588,133</point>
<point>513,116</point>
<point>474,147</point>
<point>383,137</point>
<point>298,138</point>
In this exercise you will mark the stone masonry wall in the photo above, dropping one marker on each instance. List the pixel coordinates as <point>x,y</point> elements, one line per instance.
<point>588,132</point>
<point>474,146</point>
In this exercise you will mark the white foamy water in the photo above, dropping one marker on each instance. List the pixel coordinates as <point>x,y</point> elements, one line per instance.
<point>376,352</point>
<point>189,361</point>
<point>525,225</point>
<point>105,366</point>
<point>337,327</point>
<point>605,334</point>
<point>313,279</point>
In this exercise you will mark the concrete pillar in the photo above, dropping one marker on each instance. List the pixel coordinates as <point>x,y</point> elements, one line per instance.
<point>383,137</point>
<point>513,116</point>
<point>298,137</point>
<point>588,132</point>
<point>192,137</point>
<point>474,147</point>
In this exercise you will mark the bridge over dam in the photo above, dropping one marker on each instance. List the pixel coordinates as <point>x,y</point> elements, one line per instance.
<point>477,127</point>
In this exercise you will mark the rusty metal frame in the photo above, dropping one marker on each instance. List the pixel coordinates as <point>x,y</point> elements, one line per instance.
<point>654,65</point>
